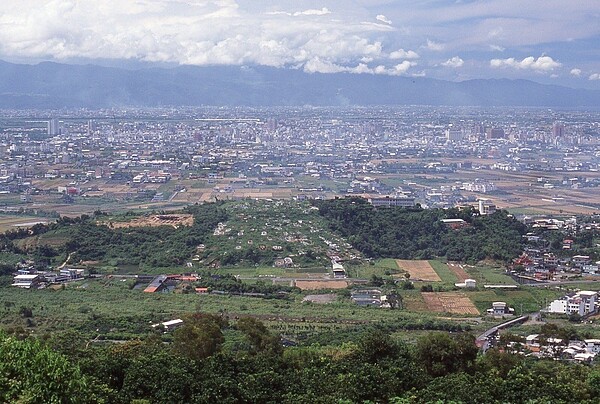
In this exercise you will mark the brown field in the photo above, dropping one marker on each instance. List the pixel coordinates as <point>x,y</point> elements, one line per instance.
<point>419,270</point>
<point>460,273</point>
<point>414,302</point>
<point>174,220</point>
<point>449,302</point>
<point>320,284</point>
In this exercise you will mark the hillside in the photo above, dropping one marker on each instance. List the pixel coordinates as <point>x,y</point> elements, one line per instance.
<point>53,85</point>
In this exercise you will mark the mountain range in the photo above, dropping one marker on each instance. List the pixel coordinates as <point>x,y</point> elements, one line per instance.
<point>55,85</point>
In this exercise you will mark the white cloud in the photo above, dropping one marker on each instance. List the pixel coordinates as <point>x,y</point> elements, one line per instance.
<point>402,54</point>
<point>594,76</point>
<point>318,65</point>
<point>383,18</point>
<point>454,62</point>
<point>434,46</point>
<point>541,64</point>
<point>575,72</point>
<point>402,68</point>
<point>322,11</point>
<point>497,48</point>
<point>198,32</point>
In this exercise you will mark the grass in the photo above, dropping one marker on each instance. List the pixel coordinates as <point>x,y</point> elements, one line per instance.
<point>111,307</point>
<point>487,275</point>
<point>524,300</point>
<point>381,267</point>
<point>443,272</point>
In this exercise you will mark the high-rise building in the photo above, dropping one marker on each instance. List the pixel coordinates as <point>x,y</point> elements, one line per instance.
<point>454,135</point>
<point>495,133</point>
<point>53,127</point>
<point>558,129</point>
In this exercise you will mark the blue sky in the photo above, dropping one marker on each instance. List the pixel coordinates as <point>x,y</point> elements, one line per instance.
<point>550,41</point>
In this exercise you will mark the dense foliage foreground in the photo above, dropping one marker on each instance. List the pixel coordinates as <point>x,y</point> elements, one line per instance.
<point>213,361</point>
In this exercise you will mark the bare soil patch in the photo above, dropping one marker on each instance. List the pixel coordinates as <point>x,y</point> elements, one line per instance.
<point>321,284</point>
<point>458,270</point>
<point>419,270</point>
<point>449,302</point>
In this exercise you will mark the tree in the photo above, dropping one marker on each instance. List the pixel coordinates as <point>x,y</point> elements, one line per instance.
<point>442,354</point>
<point>259,337</point>
<point>199,337</point>
<point>32,373</point>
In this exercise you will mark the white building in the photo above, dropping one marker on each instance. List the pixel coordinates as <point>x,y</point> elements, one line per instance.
<point>468,283</point>
<point>26,281</point>
<point>592,345</point>
<point>581,303</point>
<point>486,207</point>
<point>500,309</point>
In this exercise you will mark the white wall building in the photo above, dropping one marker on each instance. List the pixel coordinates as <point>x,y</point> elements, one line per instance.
<point>581,303</point>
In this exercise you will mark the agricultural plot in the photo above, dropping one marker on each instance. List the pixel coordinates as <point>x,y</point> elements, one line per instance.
<point>412,300</point>
<point>458,270</point>
<point>419,270</point>
<point>174,220</point>
<point>321,284</point>
<point>286,234</point>
<point>9,222</point>
<point>445,274</point>
<point>449,302</point>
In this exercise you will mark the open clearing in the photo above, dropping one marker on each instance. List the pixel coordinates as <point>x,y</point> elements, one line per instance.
<point>419,270</point>
<point>320,284</point>
<point>458,270</point>
<point>10,222</point>
<point>449,302</point>
<point>155,220</point>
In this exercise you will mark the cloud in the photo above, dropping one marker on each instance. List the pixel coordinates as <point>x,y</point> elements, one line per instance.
<point>497,48</point>
<point>575,72</point>
<point>402,68</point>
<point>323,11</point>
<point>434,46</point>
<point>594,76</point>
<point>383,18</point>
<point>196,32</point>
<point>454,62</point>
<point>541,64</point>
<point>402,54</point>
<point>318,65</point>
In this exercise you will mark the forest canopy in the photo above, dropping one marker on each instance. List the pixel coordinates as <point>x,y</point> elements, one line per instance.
<point>416,233</point>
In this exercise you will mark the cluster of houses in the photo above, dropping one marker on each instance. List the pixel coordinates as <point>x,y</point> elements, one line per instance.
<point>542,264</point>
<point>29,278</point>
<point>581,303</point>
<point>374,298</point>
<point>548,347</point>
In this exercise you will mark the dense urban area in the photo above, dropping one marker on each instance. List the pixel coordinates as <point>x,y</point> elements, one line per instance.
<point>300,254</point>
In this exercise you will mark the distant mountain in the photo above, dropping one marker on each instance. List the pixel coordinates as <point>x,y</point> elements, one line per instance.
<point>53,85</point>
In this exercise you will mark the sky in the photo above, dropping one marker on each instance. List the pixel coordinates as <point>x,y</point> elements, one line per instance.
<point>549,41</point>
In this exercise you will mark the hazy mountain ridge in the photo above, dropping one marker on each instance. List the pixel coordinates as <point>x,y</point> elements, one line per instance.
<point>53,85</point>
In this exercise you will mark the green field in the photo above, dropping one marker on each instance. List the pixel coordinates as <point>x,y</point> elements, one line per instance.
<point>524,300</point>
<point>486,275</point>
<point>116,310</point>
<point>443,272</point>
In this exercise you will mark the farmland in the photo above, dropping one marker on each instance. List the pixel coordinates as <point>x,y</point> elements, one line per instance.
<point>458,271</point>
<point>449,302</point>
<point>11,222</point>
<point>419,270</point>
<point>257,248</point>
